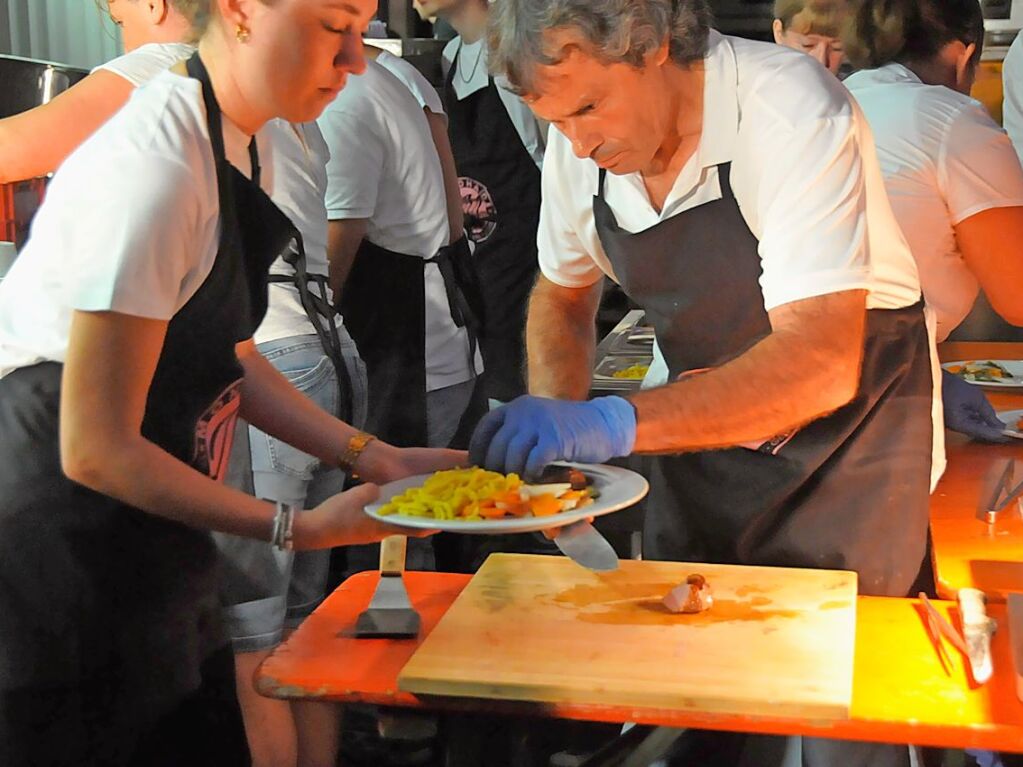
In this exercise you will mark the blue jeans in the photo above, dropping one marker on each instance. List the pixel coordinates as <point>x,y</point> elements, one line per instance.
<point>266,590</point>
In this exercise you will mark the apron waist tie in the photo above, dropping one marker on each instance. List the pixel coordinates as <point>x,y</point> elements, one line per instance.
<point>322,315</point>
<point>461,312</point>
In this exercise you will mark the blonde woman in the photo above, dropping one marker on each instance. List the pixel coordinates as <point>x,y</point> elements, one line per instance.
<point>125,358</point>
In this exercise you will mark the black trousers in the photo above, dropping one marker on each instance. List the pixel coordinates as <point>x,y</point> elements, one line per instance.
<point>84,726</point>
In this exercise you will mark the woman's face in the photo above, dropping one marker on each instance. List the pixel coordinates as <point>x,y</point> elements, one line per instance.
<point>828,50</point>
<point>134,19</point>
<point>299,53</point>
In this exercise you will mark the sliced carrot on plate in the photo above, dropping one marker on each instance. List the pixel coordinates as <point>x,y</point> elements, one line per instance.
<point>544,505</point>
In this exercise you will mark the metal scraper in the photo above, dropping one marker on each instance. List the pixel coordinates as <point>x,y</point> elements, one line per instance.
<point>390,612</point>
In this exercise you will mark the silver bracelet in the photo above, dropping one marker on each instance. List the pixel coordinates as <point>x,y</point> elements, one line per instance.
<point>284,523</point>
<point>275,531</point>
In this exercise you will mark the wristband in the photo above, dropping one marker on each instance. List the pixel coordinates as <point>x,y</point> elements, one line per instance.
<point>356,444</point>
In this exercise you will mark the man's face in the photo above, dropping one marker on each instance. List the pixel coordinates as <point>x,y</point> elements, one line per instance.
<point>829,51</point>
<point>615,114</point>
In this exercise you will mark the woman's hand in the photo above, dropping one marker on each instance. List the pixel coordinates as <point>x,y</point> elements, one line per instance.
<point>381,462</point>
<point>341,521</point>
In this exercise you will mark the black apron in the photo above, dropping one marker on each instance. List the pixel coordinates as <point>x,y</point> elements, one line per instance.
<point>105,605</point>
<point>383,302</point>
<point>500,186</point>
<point>847,491</point>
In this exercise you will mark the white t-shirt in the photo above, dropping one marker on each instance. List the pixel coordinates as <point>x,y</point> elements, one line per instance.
<point>384,168</point>
<point>944,159</point>
<point>300,181</point>
<point>414,80</point>
<point>803,171</point>
<point>473,75</point>
<point>298,163</point>
<point>130,222</point>
<point>147,61</point>
<point>1012,90</point>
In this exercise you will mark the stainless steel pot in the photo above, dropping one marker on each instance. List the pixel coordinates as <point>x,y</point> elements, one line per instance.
<point>26,83</point>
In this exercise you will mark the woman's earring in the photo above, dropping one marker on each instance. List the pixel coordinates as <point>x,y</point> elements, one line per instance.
<point>241,33</point>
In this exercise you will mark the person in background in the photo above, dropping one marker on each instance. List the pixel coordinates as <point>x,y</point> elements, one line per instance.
<point>953,180</point>
<point>430,101</point>
<point>156,34</point>
<point>813,27</point>
<point>110,471</point>
<point>400,264</point>
<point>731,187</point>
<point>498,146</point>
<point>1012,89</point>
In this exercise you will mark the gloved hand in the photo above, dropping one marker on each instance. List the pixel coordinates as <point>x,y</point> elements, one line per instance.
<point>967,410</point>
<point>530,432</point>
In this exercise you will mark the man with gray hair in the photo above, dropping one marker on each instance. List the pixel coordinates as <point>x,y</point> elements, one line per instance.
<point>731,188</point>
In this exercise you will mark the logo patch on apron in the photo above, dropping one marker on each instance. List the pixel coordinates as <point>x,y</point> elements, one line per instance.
<point>479,209</point>
<point>214,433</point>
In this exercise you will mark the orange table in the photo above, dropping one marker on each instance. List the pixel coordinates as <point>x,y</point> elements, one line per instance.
<point>900,691</point>
<point>967,551</point>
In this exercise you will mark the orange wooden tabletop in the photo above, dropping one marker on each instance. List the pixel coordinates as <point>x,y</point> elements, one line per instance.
<point>901,693</point>
<point>967,551</point>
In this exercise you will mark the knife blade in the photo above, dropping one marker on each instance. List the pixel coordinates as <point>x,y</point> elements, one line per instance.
<point>581,543</point>
<point>977,630</point>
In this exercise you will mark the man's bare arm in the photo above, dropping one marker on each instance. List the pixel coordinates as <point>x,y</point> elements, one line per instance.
<point>452,194</point>
<point>560,339</point>
<point>344,236</point>
<point>807,367</point>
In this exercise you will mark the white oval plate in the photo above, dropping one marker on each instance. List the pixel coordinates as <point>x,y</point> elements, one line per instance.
<point>1015,368</point>
<point>619,488</point>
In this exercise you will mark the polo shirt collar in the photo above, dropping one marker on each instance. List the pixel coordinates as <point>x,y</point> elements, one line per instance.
<point>720,102</point>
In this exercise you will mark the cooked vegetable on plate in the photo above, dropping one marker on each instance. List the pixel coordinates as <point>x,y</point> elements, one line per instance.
<point>476,494</point>
<point>983,372</point>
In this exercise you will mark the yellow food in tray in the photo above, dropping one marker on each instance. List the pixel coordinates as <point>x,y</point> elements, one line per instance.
<point>476,494</point>
<point>631,372</point>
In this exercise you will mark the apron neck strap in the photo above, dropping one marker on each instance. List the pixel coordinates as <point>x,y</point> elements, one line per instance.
<point>214,121</point>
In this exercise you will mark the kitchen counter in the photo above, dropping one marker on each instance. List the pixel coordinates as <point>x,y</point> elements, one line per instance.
<point>900,691</point>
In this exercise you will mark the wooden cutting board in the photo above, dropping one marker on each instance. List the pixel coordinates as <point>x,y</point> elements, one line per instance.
<point>539,628</point>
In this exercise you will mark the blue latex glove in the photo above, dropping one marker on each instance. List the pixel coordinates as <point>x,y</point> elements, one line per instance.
<point>531,432</point>
<point>967,410</point>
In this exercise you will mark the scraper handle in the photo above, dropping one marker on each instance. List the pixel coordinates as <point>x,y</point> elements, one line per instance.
<point>392,555</point>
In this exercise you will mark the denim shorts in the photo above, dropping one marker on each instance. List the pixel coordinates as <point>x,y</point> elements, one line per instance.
<point>265,590</point>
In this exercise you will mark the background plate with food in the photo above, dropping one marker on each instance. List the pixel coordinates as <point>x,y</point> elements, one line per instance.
<point>995,373</point>
<point>484,502</point>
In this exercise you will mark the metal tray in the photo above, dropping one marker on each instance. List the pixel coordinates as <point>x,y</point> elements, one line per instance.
<point>609,365</point>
